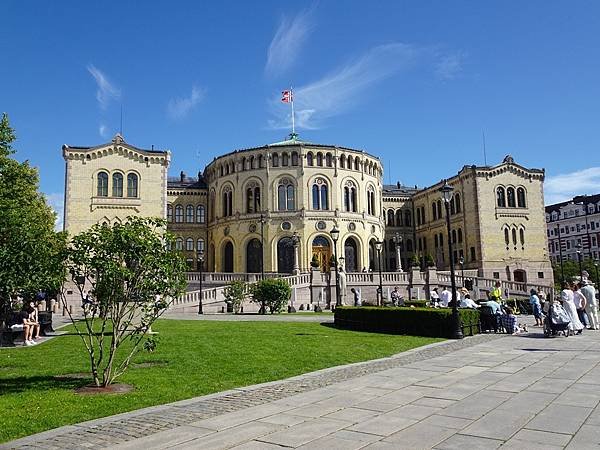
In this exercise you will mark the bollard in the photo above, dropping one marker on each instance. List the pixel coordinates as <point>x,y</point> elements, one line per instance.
<point>71,309</point>
<point>64,311</point>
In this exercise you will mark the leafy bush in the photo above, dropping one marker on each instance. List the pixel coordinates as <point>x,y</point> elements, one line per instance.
<point>235,293</point>
<point>430,322</point>
<point>272,294</point>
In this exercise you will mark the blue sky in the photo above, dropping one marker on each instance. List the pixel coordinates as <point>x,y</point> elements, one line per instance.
<point>415,83</point>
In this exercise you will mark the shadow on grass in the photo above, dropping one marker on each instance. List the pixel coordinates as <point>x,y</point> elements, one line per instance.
<point>17,385</point>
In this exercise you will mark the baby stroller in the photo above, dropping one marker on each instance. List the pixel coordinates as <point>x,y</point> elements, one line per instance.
<point>557,321</point>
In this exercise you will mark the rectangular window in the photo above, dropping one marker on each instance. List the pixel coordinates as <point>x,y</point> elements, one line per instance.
<point>473,255</point>
<point>496,275</point>
<point>540,274</point>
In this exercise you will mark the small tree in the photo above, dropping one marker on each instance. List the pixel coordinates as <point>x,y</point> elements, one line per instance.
<point>415,262</point>
<point>130,276</point>
<point>235,293</point>
<point>272,294</point>
<point>429,262</point>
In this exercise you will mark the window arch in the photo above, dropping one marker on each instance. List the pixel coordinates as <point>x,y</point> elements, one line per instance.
<point>407,218</point>
<point>350,196</point>
<point>521,197</point>
<point>320,194</point>
<point>252,197</point>
<point>309,159</point>
<point>434,210</point>
<point>286,195</point>
<point>500,197</point>
<point>117,185</point>
<point>460,236</point>
<point>454,236</point>
<point>399,218</point>
<point>350,160</point>
<point>189,244</point>
<point>343,162</point>
<point>102,181</point>
<point>132,185</point>
<point>514,236</point>
<point>320,159</point>
<point>294,158</point>
<point>328,160</point>
<point>179,243</point>
<point>390,218</point>
<point>200,245</point>
<point>178,214</point>
<point>189,214</point>
<point>457,202</point>
<point>275,160</point>
<point>200,214</point>
<point>506,237</point>
<point>285,160</point>
<point>227,201</point>
<point>510,197</point>
<point>356,163</point>
<point>371,201</point>
<point>169,213</point>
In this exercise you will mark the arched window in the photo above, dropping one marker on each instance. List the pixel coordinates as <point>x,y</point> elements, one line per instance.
<point>350,160</point>
<point>200,245</point>
<point>253,256</point>
<point>356,163</point>
<point>510,196</point>
<point>457,202</point>
<point>454,236</point>
<point>228,257</point>
<point>521,197</point>
<point>309,159</point>
<point>227,201</point>
<point>328,162</point>
<point>350,197</point>
<point>189,214</point>
<point>286,195</point>
<point>343,162</point>
<point>500,198</point>
<point>460,237</point>
<point>399,218</point>
<point>371,201</point>
<point>351,255</point>
<point>275,160</point>
<point>169,213</point>
<point>189,244</point>
<point>452,206</point>
<point>179,244</point>
<point>407,218</point>
<point>522,236</point>
<point>434,210</point>
<point>200,214</point>
<point>252,197</point>
<point>514,236</point>
<point>132,185</point>
<point>285,255</point>
<point>102,184</point>
<point>390,218</point>
<point>244,163</point>
<point>506,237</point>
<point>285,160</point>
<point>178,214</point>
<point>117,187</point>
<point>294,158</point>
<point>320,194</point>
<point>320,159</point>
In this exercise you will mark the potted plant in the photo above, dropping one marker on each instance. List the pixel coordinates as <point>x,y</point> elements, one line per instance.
<point>314,262</point>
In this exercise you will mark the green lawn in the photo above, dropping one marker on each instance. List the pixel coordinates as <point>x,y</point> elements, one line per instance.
<point>200,357</point>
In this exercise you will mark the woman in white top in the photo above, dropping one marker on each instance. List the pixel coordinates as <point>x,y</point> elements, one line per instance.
<point>580,303</point>
<point>566,296</point>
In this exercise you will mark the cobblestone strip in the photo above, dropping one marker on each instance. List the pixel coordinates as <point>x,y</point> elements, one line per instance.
<point>137,425</point>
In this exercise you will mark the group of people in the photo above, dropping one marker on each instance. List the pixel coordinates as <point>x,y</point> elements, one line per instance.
<point>444,299</point>
<point>580,303</point>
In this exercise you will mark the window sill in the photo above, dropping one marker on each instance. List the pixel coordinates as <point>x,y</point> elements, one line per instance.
<point>116,202</point>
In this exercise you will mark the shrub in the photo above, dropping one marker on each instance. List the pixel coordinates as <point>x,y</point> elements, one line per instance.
<point>271,293</point>
<point>416,303</point>
<point>235,293</point>
<point>429,322</point>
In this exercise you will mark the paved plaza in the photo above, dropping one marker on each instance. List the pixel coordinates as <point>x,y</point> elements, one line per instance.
<point>490,391</point>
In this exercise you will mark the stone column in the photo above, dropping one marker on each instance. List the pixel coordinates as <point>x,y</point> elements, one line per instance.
<point>398,258</point>
<point>296,270</point>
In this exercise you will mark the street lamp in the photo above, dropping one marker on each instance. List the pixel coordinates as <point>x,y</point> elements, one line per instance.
<point>397,242</point>
<point>461,261</point>
<point>200,263</point>
<point>335,234</point>
<point>446,192</point>
<point>379,247</point>
<point>262,247</point>
<point>562,271</point>
<point>596,280</point>
<point>578,247</point>
<point>295,243</point>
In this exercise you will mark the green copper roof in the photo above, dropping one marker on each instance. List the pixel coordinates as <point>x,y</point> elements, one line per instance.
<point>293,140</point>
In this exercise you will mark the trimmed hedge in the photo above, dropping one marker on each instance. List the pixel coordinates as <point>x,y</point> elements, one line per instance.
<point>429,322</point>
<point>416,303</point>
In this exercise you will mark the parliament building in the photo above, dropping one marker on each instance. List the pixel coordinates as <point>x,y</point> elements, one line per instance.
<point>293,193</point>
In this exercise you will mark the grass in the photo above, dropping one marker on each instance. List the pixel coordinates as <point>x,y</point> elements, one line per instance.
<point>200,357</point>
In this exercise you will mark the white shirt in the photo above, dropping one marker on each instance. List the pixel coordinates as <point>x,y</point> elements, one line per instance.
<point>468,303</point>
<point>578,298</point>
<point>446,297</point>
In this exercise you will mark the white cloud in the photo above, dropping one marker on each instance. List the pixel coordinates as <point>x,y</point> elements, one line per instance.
<point>449,66</point>
<point>106,91</point>
<point>103,130</point>
<point>56,201</point>
<point>178,108</point>
<point>339,91</point>
<point>286,43</point>
<point>559,188</point>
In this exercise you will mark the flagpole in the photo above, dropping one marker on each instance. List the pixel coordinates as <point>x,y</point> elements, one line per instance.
<point>293,119</point>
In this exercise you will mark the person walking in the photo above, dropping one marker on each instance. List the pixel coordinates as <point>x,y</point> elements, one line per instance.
<point>580,303</point>
<point>534,301</point>
<point>566,297</point>
<point>591,306</point>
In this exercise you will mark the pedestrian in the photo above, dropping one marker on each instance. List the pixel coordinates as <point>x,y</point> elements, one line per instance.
<point>580,303</point>
<point>397,299</point>
<point>434,297</point>
<point>536,306</point>
<point>591,305</point>
<point>566,297</point>
<point>465,301</point>
<point>445,297</point>
<point>496,292</point>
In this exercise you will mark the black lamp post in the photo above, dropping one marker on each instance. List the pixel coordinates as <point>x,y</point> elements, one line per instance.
<point>461,261</point>
<point>200,263</point>
<point>578,247</point>
<point>262,247</point>
<point>335,234</point>
<point>379,247</point>
<point>596,280</point>
<point>562,271</point>
<point>446,191</point>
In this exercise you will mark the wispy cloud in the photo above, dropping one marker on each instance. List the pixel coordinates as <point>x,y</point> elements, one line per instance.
<point>56,202</point>
<point>178,108</point>
<point>288,39</point>
<point>106,91</point>
<point>103,130</point>
<point>560,188</point>
<point>337,92</point>
<point>450,66</point>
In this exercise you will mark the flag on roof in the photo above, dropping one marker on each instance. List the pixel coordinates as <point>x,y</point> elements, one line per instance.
<point>287,96</point>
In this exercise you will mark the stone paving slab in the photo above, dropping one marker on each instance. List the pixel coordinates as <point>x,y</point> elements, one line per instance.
<point>518,392</point>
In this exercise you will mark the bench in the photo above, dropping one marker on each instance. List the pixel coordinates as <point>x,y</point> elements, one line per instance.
<point>15,327</point>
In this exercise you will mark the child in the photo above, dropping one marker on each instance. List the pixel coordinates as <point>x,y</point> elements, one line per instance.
<point>509,322</point>
<point>534,301</point>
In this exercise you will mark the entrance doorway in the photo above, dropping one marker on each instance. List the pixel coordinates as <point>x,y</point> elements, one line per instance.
<point>228,257</point>
<point>253,256</point>
<point>285,255</point>
<point>351,255</point>
<point>322,251</point>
